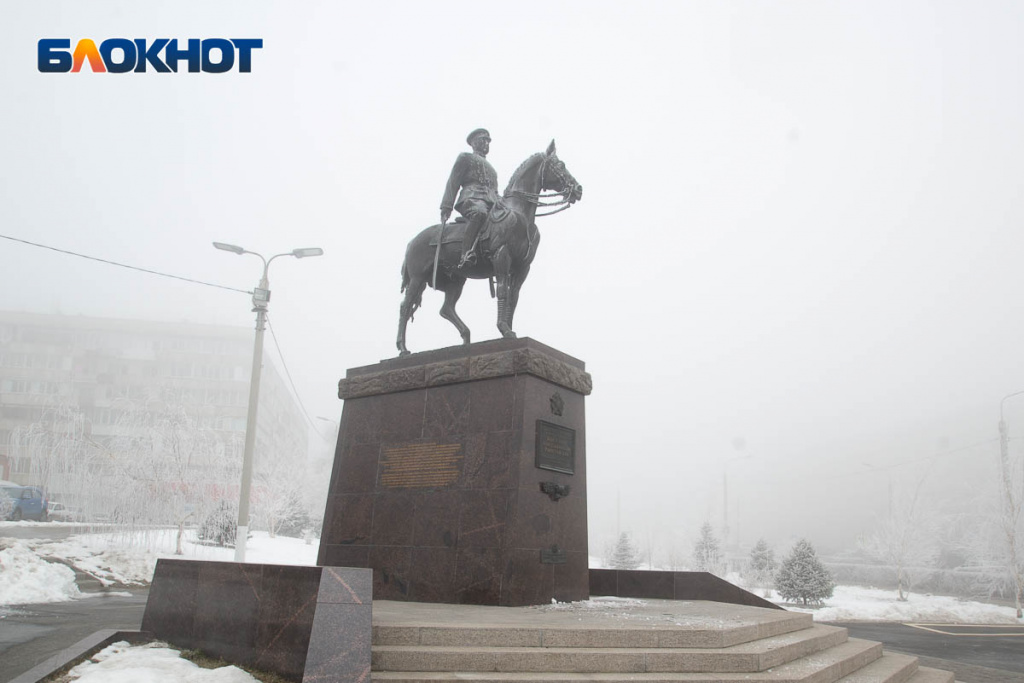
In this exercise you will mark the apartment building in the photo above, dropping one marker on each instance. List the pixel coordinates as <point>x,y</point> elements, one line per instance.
<point>86,376</point>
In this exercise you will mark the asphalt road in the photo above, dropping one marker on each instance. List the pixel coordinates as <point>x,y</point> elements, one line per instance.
<point>30,634</point>
<point>47,531</point>
<point>976,654</point>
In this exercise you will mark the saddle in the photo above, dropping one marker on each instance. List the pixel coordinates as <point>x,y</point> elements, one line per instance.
<point>454,231</point>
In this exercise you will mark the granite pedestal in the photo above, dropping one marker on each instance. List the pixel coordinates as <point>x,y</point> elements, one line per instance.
<point>460,476</point>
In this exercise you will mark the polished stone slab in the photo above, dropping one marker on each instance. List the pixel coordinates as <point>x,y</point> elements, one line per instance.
<point>304,623</point>
<point>669,585</point>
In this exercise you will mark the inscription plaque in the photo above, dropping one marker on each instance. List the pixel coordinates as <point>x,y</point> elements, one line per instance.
<point>553,555</point>
<point>555,448</point>
<point>420,465</point>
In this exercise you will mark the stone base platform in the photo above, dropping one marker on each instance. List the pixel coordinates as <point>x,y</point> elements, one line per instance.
<point>616,639</point>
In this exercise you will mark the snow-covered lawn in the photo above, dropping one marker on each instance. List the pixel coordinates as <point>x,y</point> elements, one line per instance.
<point>854,603</point>
<point>32,571</point>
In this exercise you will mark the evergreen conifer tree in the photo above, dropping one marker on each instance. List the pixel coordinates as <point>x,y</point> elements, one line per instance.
<point>707,557</point>
<point>803,577</point>
<point>624,555</point>
<point>761,567</point>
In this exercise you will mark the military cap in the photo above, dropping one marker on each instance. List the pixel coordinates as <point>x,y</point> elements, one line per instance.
<point>475,133</point>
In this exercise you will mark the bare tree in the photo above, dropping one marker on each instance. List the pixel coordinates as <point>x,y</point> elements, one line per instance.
<point>278,496</point>
<point>61,454</point>
<point>171,467</point>
<point>902,541</point>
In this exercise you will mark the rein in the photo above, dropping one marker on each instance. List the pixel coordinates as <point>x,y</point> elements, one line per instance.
<point>536,197</point>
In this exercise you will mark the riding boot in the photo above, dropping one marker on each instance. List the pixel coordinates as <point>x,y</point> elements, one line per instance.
<point>476,222</point>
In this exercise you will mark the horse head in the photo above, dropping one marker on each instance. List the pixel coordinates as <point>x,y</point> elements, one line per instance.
<point>554,176</point>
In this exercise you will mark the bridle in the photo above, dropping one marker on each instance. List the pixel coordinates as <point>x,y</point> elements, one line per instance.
<point>536,197</point>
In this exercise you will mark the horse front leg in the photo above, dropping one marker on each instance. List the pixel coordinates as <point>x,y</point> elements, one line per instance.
<point>517,284</point>
<point>502,263</point>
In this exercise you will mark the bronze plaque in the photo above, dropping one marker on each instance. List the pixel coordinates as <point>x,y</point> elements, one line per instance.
<point>556,448</point>
<point>553,555</point>
<point>420,465</point>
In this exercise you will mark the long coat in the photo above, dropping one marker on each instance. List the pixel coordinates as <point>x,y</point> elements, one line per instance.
<point>477,179</point>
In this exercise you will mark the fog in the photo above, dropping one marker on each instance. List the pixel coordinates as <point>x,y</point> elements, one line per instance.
<point>796,264</point>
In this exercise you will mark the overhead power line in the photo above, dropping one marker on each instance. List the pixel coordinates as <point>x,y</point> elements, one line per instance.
<point>277,345</point>
<point>288,374</point>
<point>911,461</point>
<point>124,265</point>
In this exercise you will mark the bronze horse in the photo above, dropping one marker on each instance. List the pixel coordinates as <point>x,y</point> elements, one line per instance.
<point>508,245</point>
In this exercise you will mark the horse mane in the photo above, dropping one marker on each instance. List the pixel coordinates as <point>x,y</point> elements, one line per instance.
<point>520,171</point>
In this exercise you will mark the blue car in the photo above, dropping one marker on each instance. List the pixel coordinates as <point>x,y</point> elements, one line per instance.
<point>23,502</point>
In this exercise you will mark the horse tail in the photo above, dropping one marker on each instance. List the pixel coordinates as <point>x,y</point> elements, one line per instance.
<point>405,275</point>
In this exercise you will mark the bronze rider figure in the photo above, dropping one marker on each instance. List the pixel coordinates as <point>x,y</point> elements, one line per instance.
<point>478,182</point>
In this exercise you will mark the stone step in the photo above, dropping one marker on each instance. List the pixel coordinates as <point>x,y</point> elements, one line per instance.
<point>889,668</point>
<point>746,657</point>
<point>828,666</point>
<point>659,623</point>
<point>926,675</point>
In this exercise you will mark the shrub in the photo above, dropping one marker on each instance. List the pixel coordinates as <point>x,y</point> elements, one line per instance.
<point>803,577</point>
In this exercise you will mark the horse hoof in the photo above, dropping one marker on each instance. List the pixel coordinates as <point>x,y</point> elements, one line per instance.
<point>403,353</point>
<point>510,335</point>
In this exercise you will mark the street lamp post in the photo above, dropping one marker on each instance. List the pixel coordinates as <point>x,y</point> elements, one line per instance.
<point>1004,433</point>
<point>725,494</point>
<point>260,300</point>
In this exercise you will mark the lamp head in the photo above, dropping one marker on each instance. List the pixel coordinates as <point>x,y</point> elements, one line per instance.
<point>309,251</point>
<point>229,247</point>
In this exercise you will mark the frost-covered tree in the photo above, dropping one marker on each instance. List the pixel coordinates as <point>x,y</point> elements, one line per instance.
<point>903,542</point>
<point>990,548</point>
<point>65,461</point>
<point>803,577</point>
<point>170,466</point>
<point>220,526</point>
<point>278,500</point>
<point>1011,521</point>
<point>624,554</point>
<point>761,567</point>
<point>707,555</point>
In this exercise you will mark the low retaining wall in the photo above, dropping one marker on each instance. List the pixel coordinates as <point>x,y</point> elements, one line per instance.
<point>304,623</point>
<point>639,583</point>
<point>80,651</point>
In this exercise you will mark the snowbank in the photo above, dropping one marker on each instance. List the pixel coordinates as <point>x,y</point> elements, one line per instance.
<point>852,603</point>
<point>26,578</point>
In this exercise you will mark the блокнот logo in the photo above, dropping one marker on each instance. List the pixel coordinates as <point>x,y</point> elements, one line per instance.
<point>121,55</point>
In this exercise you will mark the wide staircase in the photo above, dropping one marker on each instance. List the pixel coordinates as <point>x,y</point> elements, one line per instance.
<point>625,640</point>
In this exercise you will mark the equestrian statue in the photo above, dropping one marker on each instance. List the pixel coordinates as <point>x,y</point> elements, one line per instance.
<point>496,238</point>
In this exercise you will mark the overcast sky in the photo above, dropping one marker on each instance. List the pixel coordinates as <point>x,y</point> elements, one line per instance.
<point>798,258</point>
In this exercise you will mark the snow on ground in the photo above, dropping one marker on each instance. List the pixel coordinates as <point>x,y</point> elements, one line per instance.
<point>26,578</point>
<point>854,603</point>
<point>152,663</point>
<point>30,568</point>
<point>31,571</point>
